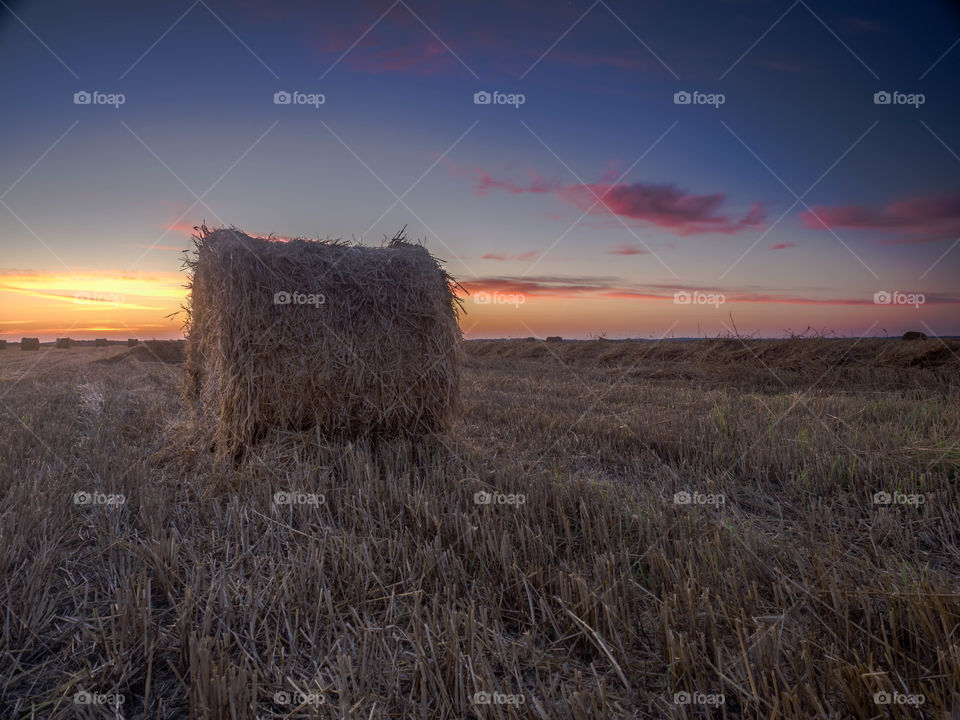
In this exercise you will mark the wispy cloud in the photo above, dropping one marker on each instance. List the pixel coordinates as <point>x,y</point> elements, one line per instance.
<point>925,218</point>
<point>627,250</point>
<point>662,205</point>
<point>551,286</point>
<point>508,256</point>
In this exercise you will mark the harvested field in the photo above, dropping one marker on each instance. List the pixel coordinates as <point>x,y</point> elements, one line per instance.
<point>608,525</point>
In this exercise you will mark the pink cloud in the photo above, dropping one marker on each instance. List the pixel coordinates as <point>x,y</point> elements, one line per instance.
<point>588,60</point>
<point>420,58</point>
<point>927,218</point>
<point>627,250</point>
<point>782,246</point>
<point>538,184</point>
<point>662,205</point>
<point>611,287</point>
<point>507,256</point>
<point>181,228</point>
<point>162,247</point>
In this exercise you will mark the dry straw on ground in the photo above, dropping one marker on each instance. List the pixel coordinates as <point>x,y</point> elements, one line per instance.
<point>29,343</point>
<point>319,335</point>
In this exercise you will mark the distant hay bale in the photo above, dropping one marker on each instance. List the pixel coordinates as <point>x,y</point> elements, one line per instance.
<point>100,342</point>
<point>64,343</point>
<point>319,335</point>
<point>554,338</point>
<point>132,342</point>
<point>153,351</point>
<point>914,335</point>
<point>29,343</point>
<point>168,351</point>
<point>3,344</point>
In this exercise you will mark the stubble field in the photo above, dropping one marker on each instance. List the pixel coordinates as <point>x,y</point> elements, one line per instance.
<point>612,530</point>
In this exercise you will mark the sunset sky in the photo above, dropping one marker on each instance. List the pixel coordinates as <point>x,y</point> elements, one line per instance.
<point>798,198</point>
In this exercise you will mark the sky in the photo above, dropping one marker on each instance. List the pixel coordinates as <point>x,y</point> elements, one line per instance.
<point>590,168</point>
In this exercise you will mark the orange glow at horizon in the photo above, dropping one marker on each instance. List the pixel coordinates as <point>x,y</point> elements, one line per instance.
<point>89,304</point>
<point>85,304</point>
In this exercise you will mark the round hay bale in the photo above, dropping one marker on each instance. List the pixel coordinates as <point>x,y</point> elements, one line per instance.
<point>132,342</point>
<point>29,343</point>
<point>319,335</point>
<point>100,342</point>
<point>914,335</point>
<point>554,338</point>
<point>167,351</point>
<point>64,343</point>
